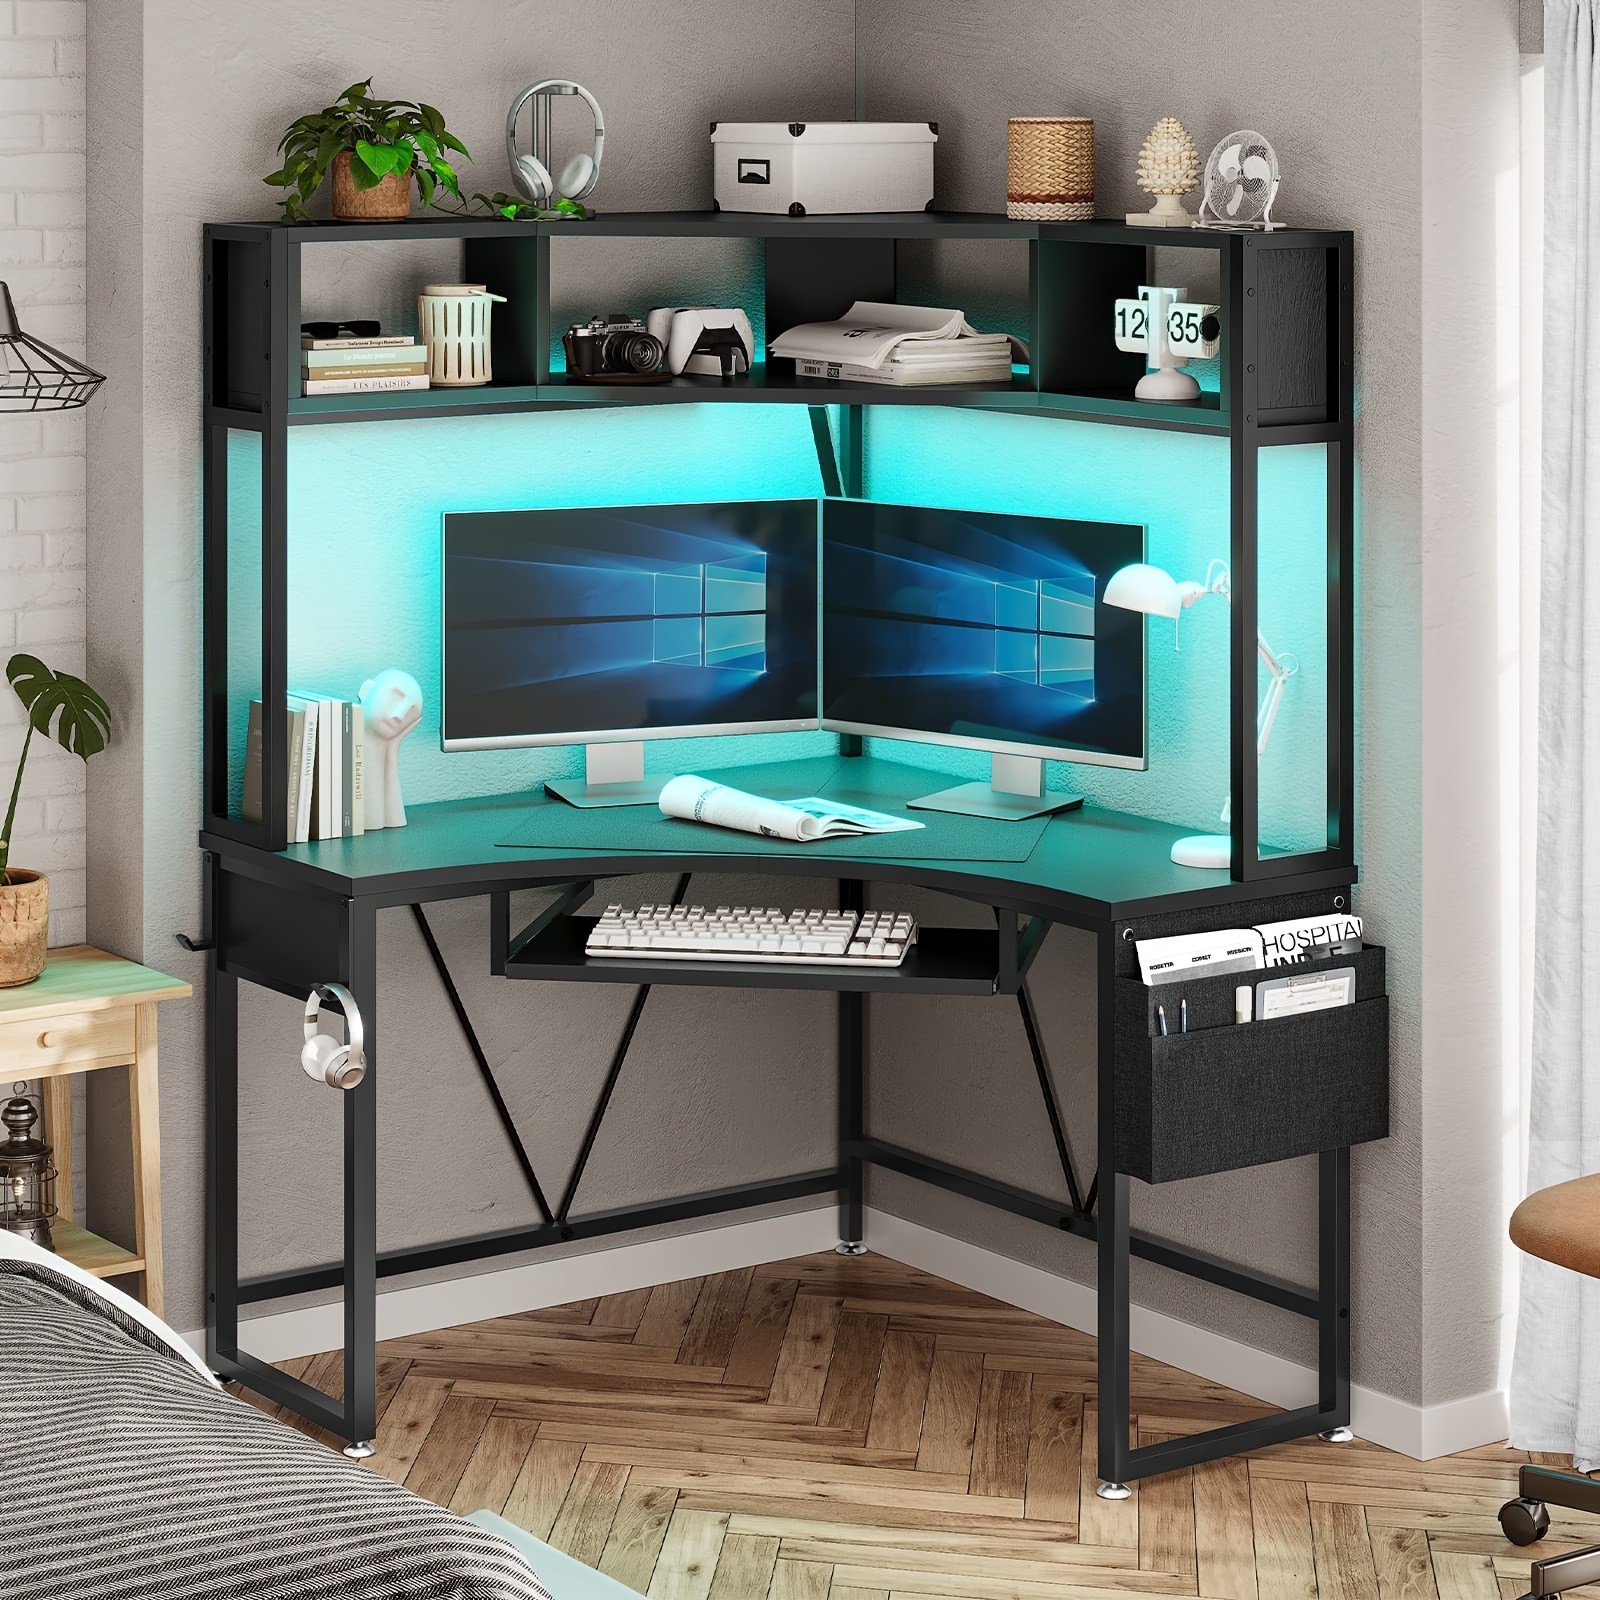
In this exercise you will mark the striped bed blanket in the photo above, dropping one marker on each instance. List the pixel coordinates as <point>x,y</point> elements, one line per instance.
<point>126,1475</point>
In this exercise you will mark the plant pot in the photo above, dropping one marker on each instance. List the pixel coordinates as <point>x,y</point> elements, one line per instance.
<point>388,201</point>
<point>24,926</point>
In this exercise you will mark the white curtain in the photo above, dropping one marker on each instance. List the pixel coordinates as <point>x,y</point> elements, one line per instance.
<point>1555,1380</point>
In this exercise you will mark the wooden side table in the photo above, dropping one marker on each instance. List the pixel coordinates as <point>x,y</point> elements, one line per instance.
<point>89,1010</point>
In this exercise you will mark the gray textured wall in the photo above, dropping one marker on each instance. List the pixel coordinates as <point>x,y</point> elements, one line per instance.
<point>1038,57</point>
<point>1331,87</point>
<point>729,1086</point>
<point>242,73</point>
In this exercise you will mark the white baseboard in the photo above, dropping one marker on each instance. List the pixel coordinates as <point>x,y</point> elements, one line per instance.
<point>423,1307</point>
<point>1421,1432</point>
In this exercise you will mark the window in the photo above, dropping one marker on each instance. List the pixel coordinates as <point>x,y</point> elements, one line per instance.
<point>714,615</point>
<point>1044,633</point>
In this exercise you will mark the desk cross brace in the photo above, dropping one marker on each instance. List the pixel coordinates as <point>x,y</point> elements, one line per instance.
<point>1099,1216</point>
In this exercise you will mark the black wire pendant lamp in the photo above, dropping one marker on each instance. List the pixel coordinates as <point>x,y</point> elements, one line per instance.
<point>33,375</point>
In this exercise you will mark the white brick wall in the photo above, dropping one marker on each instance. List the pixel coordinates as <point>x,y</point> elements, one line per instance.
<point>41,458</point>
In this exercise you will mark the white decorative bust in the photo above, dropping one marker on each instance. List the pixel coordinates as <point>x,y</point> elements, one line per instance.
<point>391,704</point>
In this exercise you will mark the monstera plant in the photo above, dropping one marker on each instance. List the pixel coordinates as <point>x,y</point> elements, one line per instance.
<point>66,709</point>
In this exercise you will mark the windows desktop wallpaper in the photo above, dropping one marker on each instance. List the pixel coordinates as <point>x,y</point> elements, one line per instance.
<point>566,622</point>
<point>981,626</point>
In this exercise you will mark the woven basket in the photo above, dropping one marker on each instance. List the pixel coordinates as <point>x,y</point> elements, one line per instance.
<point>24,926</point>
<point>389,200</point>
<point>1050,168</point>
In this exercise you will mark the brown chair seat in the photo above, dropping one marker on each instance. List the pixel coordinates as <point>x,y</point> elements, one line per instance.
<point>1562,1224</point>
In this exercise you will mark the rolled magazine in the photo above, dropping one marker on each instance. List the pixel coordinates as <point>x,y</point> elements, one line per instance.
<point>804,821</point>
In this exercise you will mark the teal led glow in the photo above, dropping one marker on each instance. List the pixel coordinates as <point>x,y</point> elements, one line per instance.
<point>244,598</point>
<point>364,568</point>
<point>365,509</point>
<point>1292,568</point>
<point>1177,486</point>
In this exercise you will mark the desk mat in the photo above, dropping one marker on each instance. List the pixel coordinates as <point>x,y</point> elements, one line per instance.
<point>557,826</point>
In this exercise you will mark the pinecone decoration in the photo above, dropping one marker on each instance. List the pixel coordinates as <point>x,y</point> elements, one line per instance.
<point>1169,166</point>
<point>1169,162</point>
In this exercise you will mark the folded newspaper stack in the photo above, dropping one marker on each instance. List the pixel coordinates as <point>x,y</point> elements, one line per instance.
<point>874,342</point>
<point>805,821</point>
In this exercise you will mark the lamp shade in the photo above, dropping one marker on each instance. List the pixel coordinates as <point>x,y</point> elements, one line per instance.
<point>1152,590</point>
<point>35,376</point>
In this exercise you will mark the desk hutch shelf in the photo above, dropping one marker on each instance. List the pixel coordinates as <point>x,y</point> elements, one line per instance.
<point>288,916</point>
<point>1286,377</point>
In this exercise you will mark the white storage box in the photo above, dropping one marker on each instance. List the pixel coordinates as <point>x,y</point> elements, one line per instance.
<point>804,168</point>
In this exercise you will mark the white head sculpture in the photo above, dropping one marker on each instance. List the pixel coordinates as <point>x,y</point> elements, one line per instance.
<point>391,705</point>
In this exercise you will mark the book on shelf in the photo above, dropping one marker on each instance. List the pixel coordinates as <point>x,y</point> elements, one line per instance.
<point>322,772</point>
<point>358,770</point>
<point>873,332</point>
<point>393,369</point>
<point>321,364</point>
<point>250,802</point>
<point>410,380</point>
<point>906,374</point>
<point>351,740</point>
<point>333,776</point>
<point>298,757</point>
<point>376,341</point>
<point>302,766</point>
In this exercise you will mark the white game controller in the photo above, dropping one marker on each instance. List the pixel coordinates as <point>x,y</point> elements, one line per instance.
<point>705,341</point>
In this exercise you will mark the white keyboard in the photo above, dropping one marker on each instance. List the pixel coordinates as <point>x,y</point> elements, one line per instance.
<point>755,933</point>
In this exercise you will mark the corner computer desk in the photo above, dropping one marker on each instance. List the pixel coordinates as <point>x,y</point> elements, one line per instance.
<point>1213,1099</point>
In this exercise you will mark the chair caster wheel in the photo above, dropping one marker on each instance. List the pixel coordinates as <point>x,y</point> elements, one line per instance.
<point>361,1449</point>
<point>1114,1491</point>
<point>1337,1436</point>
<point>849,1247</point>
<point>1524,1521</point>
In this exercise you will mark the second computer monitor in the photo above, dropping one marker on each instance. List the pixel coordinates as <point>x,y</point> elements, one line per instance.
<point>981,629</point>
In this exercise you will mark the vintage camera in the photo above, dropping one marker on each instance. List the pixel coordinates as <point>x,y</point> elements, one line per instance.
<point>611,346</point>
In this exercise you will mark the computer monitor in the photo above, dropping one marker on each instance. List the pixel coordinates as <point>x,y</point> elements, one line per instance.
<point>608,625</point>
<point>983,630</point>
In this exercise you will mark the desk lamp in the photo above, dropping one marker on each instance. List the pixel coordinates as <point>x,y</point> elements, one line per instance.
<point>1156,593</point>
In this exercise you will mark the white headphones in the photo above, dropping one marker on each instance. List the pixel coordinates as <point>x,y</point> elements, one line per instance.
<point>342,1066</point>
<point>531,173</point>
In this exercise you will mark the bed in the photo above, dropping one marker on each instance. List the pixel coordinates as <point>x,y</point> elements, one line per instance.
<point>127,1473</point>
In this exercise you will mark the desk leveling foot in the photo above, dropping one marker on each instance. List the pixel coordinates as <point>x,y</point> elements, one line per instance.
<point>1114,1491</point>
<point>361,1449</point>
<point>849,1247</point>
<point>1337,1436</point>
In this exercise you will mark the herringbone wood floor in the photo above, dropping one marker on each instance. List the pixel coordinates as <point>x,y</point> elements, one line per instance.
<point>832,1429</point>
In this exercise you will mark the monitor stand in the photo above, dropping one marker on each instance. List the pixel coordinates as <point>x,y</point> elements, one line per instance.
<point>1015,791</point>
<point>613,775</point>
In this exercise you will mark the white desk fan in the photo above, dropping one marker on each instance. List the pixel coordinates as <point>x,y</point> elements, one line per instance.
<point>1241,182</point>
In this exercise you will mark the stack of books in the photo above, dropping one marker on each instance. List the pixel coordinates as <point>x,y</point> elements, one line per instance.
<point>972,358</point>
<point>894,344</point>
<point>326,788</point>
<point>355,366</point>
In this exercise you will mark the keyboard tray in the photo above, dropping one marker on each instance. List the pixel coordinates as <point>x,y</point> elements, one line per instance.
<point>943,961</point>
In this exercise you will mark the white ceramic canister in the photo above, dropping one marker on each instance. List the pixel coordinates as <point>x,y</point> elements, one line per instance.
<point>453,322</point>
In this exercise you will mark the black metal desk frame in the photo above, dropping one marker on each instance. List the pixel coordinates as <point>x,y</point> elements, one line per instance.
<point>283,936</point>
<point>285,921</point>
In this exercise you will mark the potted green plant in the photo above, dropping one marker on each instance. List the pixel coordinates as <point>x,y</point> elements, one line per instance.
<point>66,709</point>
<point>374,148</point>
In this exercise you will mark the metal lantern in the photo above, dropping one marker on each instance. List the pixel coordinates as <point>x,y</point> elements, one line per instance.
<point>34,376</point>
<point>27,1174</point>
